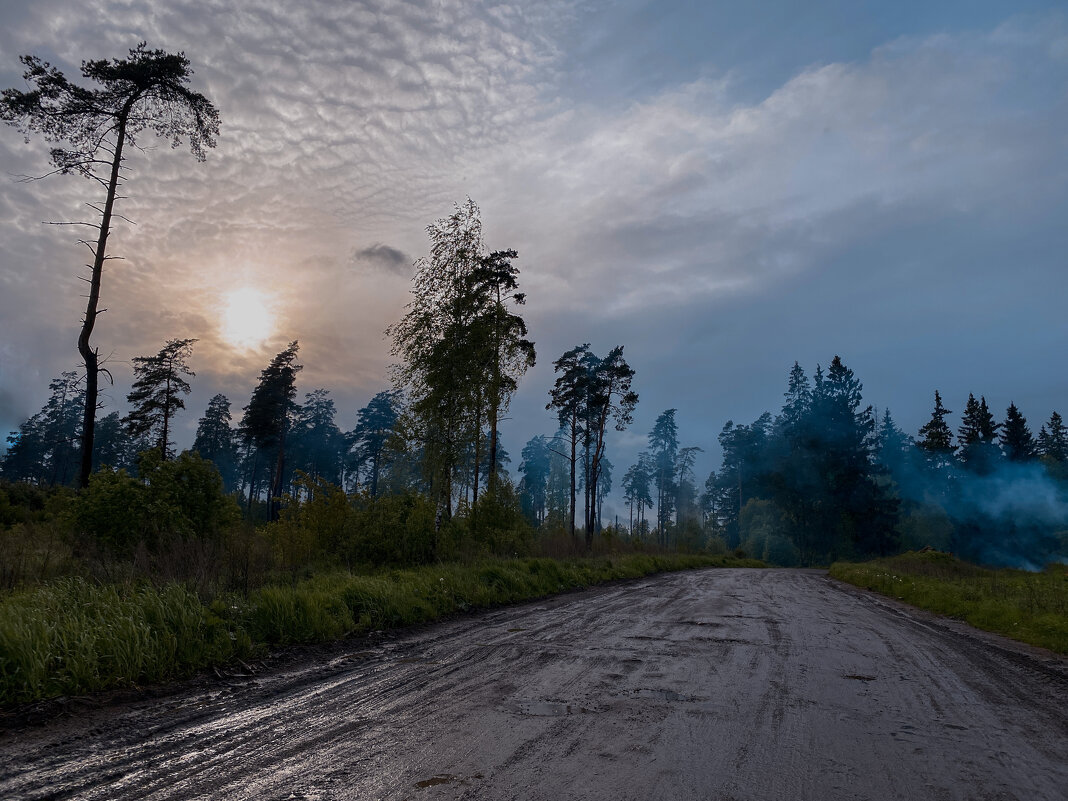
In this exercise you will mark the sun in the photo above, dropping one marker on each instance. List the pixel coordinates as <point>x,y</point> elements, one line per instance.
<point>246,319</point>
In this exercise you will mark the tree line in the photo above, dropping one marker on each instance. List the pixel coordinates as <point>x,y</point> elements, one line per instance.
<point>824,478</point>
<point>829,478</point>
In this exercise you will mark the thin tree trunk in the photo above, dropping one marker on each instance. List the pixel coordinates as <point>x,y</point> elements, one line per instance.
<point>166,420</point>
<point>574,438</point>
<point>89,354</point>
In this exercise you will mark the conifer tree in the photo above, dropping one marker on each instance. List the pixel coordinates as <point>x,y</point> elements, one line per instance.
<point>567,397</point>
<point>936,438</point>
<point>533,485</point>
<point>318,443</point>
<point>145,92</point>
<point>113,445</point>
<point>798,399</point>
<point>977,436</point>
<point>1053,439</point>
<point>157,391</point>
<point>1017,442</point>
<point>894,444</point>
<point>269,416</point>
<point>44,450</point>
<point>664,449</point>
<point>608,397</point>
<point>215,439</point>
<point>374,426</point>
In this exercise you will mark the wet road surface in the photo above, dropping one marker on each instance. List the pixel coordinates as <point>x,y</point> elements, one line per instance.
<point>714,684</point>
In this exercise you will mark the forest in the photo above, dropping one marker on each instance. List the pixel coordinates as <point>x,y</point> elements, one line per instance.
<point>423,475</point>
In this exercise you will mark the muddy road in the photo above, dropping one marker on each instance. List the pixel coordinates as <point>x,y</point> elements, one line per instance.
<point>717,684</point>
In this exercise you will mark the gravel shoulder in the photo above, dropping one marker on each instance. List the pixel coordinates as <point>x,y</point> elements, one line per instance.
<point>711,684</point>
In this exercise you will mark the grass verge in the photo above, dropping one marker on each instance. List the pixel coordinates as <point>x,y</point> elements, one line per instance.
<point>72,636</point>
<point>1029,607</point>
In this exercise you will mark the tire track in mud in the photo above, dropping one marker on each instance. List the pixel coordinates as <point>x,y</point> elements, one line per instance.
<point>723,684</point>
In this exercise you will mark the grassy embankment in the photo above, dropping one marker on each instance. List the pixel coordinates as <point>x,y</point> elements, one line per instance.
<point>73,636</point>
<point>1029,607</point>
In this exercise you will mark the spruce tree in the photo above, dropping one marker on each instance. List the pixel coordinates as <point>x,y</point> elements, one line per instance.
<point>1017,443</point>
<point>936,438</point>
<point>1053,440</point>
<point>977,436</point>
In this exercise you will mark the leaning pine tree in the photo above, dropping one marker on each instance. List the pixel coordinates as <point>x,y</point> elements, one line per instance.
<point>145,92</point>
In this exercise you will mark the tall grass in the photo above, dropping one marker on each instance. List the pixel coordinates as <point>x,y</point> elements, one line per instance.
<point>74,636</point>
<point>1029,607</point>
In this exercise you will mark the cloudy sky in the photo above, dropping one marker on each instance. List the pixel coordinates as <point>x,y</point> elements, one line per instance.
<point>722,187</point>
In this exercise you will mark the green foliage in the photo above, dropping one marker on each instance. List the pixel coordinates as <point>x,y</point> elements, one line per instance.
<point>391,530</point>
<point>762,527</point>
<point>1030,607</point>
<point>181,497</point>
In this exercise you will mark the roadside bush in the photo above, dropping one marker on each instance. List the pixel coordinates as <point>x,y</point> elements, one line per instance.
<point>113,510</point>
<point>391,530</point>
<point>182,497</point>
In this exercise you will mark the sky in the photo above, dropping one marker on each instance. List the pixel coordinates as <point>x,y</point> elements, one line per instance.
<point>723,188</point>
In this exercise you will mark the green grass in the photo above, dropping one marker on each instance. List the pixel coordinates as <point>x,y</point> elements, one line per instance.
<point>1029,607</point>
<point>73,636</point>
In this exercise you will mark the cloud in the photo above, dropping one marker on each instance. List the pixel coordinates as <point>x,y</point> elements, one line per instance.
<point>383,258</point>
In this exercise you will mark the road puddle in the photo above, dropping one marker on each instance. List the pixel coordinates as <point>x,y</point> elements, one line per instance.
<point>433,781</point>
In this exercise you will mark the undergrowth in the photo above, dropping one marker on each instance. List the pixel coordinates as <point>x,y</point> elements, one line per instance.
<point>73,636</point>
<point>1029,607</point>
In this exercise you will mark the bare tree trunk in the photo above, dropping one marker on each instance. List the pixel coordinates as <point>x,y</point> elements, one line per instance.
<point>90,355</point>
<point>574,437</point>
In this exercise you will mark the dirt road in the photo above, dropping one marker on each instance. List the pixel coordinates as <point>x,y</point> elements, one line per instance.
<point>718,684</point>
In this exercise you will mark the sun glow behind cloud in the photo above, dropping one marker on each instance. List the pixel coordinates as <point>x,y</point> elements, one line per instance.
<point>246,318</point>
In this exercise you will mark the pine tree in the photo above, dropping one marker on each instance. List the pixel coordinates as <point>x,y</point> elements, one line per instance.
<point>269,417</point>
<point>145,92</point>
<point>157,392</point>
<point>318,443</point>
<point>533,485</point>
<point>112,446</point>
<point>567,397</point>
<point>374,426</point>
<point>637,494</point>
<point>664,448</point>
<point>608,398</point>
<point>215,439</point>
<point>45,448</point>
<point>1017,443</point>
